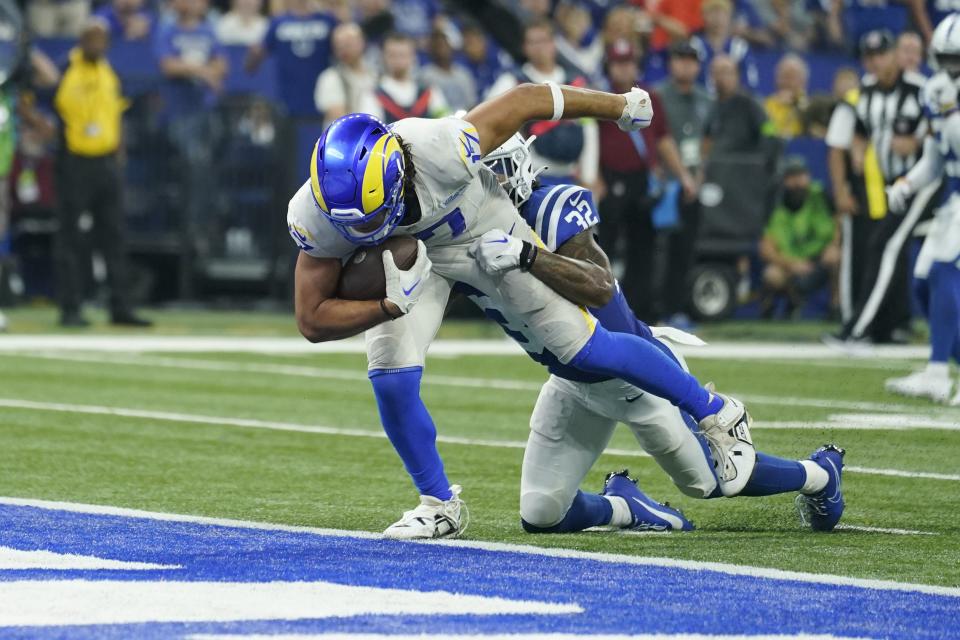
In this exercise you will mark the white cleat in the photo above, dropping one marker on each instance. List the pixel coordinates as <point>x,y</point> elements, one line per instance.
<point>728,435</point>
<point>955,401</point>
<point>922,384</point>
<point>433,518</point>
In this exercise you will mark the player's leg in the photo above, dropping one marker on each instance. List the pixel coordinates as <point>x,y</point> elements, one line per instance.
<point>396,352</point>
<point>933,282</point>
<point>566,439</point>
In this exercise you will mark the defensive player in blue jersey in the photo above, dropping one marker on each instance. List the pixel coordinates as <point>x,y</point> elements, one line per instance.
<point>577,412</point>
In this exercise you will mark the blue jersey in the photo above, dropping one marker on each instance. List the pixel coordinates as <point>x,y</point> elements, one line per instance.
<point>197,45</point>
<point>300,46</point>
<point>557,213</point>
<point>738,49</point>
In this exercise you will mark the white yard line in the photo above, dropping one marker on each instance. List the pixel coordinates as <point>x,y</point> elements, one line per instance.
<point>166,416</point>
<point>720,567</point>
<point>896,532</point>
<point>500,384</point>
<point>120,343</point>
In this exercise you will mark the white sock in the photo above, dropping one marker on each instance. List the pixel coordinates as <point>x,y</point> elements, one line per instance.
<point>938,369</point>
<point>621,516</point>
<point>817,477</point>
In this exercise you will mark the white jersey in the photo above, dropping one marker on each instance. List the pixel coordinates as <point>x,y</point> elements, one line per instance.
<point>451,183</point>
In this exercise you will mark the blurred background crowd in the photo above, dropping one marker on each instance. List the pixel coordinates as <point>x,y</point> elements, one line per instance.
<point>148,147</point>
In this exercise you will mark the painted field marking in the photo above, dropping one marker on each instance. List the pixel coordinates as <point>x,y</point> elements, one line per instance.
<point>694,565</point>
<point>497,347</point>
<point>892,531</point>
<point>247,423</point>
<point>499,384</point>
<point>20,559</point>
<point>519,636</point>
<point>37,603</point>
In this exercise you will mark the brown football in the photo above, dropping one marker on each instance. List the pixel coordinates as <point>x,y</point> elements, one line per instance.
<point>362,277</point>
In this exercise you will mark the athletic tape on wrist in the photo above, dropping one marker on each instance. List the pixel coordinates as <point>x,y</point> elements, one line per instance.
<point>557,99</point>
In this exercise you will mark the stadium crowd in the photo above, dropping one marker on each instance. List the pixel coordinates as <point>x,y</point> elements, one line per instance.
<point>217,99</point>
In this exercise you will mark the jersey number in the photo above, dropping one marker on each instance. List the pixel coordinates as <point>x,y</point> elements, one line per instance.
<point>584,216</point>
<point>455,221</point>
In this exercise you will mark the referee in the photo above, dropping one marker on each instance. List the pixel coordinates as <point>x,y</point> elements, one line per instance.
<point>89,177</point>
<point>874,138</point>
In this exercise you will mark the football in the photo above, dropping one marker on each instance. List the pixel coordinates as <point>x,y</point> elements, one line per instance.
<point>362,277</point>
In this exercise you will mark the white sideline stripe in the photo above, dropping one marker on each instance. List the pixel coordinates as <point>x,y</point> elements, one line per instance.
<point>440,380</point>
<point>54,603</point>
<point>497,347</point>
<point>896,532</point>
<point>692,565</point>
<point>19,559</point>
<point>897,473</point>
<point>360,433</point>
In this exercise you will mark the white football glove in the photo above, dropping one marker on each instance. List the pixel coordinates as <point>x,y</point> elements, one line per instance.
<point>404,288</point>
<point>898,194</point>
<point>497,251</point>
<point>638,112</point>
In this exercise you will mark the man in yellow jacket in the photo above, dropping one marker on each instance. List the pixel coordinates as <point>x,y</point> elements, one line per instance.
<point>90,104</point>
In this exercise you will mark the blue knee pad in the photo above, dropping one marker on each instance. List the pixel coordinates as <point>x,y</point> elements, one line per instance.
<point>410,428</point>
<point>944,311</point>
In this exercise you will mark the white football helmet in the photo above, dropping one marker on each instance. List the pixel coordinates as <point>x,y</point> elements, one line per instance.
<point>945,46</point>
<point>514,168</point>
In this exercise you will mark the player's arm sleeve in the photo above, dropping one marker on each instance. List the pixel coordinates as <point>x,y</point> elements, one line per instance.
<point>843,123</point>
<point>930,165</point>
<point>459,138</point>
<point>566,211</point>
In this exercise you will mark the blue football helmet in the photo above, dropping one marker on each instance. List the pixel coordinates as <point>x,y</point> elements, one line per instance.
<point>356,175</point>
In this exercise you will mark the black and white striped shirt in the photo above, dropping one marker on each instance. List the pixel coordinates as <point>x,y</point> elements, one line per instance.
<point>873,117</point>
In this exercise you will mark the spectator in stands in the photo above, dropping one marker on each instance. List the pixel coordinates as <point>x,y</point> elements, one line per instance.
<point>349,86</point>
<point>530,10</point>
<point>673,20</point>
<point>483,59</point>
<point>737,123</point>
<point>400,94</point>
<point>687,105</point>
<point>787,107</point>
<point>375,18</point>
<point>800,246</point>
<point>910,52</point>
<point>91,106</point>
<point>567,148</point>
<point>717,38</point>
<point>451,78</point>
<point>845,80</point>
<point>850,20</point>
<point>57,18</point>
<point>415,17</point>
<point>127,20</point>
<point>244,25</point>
<point>194,66</point>
<point>576,40</point>
<point>299,41</point>
<point>629,162</point>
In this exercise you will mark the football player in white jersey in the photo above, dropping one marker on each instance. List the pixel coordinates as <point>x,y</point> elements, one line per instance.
<point>937,271</point>
<point>425,178</point>
<point>576,412</point>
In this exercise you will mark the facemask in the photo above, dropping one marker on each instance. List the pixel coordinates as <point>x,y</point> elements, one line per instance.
<point>793,199</point>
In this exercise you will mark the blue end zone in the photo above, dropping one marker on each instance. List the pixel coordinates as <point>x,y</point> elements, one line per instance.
<point>616,598</point>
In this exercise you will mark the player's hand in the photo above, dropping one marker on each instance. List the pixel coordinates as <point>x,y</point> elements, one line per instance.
<point>638,112</point>
<point>497,251</point>
<point>898,194</point>
<point>404,288</point>
<point>845,202</point>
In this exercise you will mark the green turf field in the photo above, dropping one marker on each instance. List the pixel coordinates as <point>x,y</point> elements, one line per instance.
<point>219,436</point>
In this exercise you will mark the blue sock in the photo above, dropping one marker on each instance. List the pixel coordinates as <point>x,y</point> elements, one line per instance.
<point>588,510</point>
<point>921,291</point>
<point>645,365</point>
<point>410,428</point>
<point>944,314</point>
<point>774,475</point>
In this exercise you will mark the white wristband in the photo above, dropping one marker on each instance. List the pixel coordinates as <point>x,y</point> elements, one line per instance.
<point>557,99</point>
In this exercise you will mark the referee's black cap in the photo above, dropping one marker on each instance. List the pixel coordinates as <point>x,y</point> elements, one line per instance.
<point>877,41</point>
